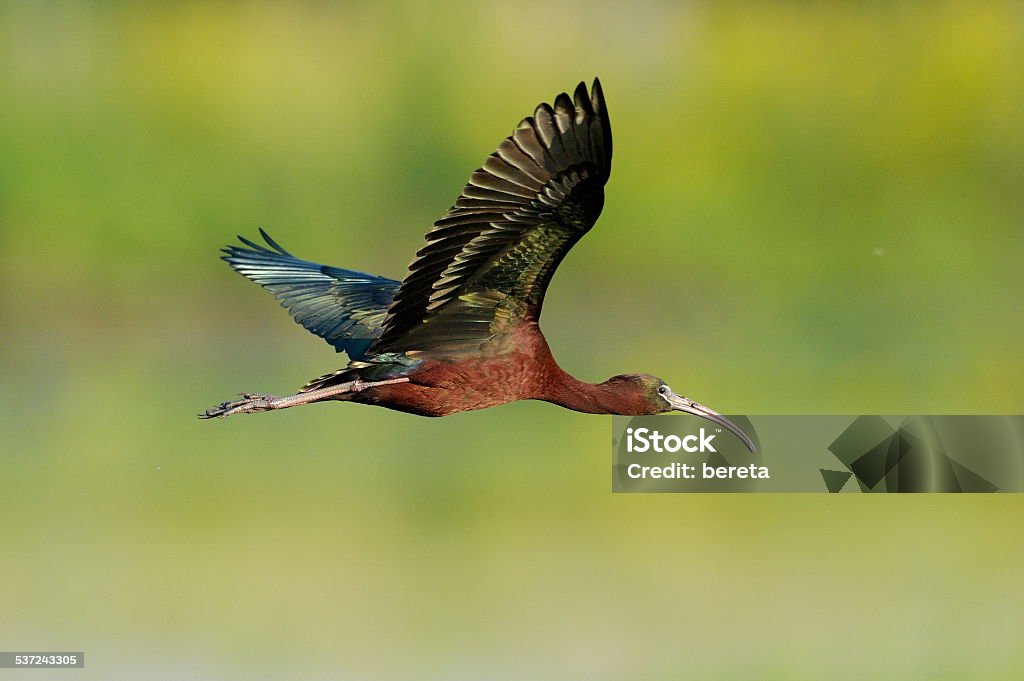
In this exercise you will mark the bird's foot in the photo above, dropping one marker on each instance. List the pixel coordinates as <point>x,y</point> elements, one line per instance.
<point>251,403</point>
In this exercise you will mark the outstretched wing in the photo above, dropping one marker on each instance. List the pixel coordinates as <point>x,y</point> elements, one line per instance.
<point>343,307</point>
<point>488,261</point>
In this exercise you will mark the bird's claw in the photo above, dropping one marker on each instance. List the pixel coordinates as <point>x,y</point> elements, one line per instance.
<point>251,403</point>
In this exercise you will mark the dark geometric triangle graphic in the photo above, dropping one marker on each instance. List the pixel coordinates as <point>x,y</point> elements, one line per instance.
<point>902,467</point>
<point>911,458</point>
<point>834,480</point>
<point>971,481</point>
<point>863,435</point>
<point>871,467</point>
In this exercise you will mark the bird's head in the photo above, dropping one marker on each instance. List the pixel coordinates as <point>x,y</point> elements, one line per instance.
<point>653,396</point>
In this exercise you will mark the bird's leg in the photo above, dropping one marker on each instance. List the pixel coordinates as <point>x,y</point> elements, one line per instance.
<point>252,403</point>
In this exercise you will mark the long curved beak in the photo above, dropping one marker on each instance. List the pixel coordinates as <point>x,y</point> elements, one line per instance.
<point>680,403</point>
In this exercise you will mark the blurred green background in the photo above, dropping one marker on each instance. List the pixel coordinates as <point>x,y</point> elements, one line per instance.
<point>815,208</point>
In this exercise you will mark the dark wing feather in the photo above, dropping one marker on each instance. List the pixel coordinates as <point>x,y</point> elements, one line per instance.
<point>488,261</point>
<point>343,307</point>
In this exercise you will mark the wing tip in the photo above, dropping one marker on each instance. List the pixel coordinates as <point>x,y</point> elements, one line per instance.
<point>260,248</point>
<point>597,94</point>
<point>273,244</point>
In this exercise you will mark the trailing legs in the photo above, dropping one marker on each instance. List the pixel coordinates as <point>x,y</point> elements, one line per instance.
<point>252,403</point>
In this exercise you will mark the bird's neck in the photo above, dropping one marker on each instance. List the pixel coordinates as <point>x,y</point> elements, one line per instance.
<point>567,391</point>
<point>555,385</point>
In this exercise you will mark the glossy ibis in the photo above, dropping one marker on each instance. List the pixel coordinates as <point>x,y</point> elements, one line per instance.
<point>461,331</point>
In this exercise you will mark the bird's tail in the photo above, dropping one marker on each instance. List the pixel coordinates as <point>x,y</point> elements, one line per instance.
<point>383,367</point>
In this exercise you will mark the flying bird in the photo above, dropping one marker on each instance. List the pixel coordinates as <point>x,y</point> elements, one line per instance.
<point>461,332</point>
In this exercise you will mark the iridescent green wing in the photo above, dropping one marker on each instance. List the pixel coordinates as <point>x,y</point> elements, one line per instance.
<point>488,261</point>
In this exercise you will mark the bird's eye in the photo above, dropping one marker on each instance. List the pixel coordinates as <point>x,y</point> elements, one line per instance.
<point>663,390</point>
